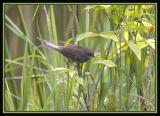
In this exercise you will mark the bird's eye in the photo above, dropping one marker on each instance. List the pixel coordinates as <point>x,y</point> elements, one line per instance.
<point>90,54</point>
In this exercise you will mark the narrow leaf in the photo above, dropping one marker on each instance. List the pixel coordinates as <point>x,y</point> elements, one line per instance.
<point>85,35</point>
<point>135,49</point>
<point>79,80</point>
<point>109,36</point>
<point>35,13</point>
<point>60,69</point>
<point>108,63</point>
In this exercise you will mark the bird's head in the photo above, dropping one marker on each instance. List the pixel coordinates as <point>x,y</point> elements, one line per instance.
<point>89,52</point>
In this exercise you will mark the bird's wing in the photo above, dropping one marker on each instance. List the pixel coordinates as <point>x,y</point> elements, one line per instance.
<point>72,52</point>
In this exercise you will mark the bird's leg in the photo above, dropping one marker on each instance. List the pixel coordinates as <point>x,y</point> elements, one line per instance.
<point>79,69</point>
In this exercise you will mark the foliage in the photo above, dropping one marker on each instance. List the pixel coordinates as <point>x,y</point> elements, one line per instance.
<point>121,77</point>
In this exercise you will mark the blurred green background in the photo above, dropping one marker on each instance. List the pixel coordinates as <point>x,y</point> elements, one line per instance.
<point>121,78</point>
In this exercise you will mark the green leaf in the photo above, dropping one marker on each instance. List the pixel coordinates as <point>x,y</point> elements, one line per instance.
<point>126,35</point>
<point>69,41</point>
<point>141,42</point>
<point>151,43</point>
<point>89,7</point>
<point>72,73</point>
<point>129,11</point>
<point>148,26</point>
<point>85,35</point>
<point>108,63</point>
<point>14,26</point>
<point>109,35</point>
<point>119,31</point>
<point>79,80</point>
<point>105,7</point>
<point>60,69</point>
<point>35,13</point>
<point>135,48</point>
<point>121,46</point>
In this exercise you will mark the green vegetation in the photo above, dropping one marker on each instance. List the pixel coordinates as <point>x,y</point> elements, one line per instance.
<point>122,76</point>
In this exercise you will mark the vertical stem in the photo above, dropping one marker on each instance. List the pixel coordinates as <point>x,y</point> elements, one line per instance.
<point>81,88</point>
<point>65,24</point>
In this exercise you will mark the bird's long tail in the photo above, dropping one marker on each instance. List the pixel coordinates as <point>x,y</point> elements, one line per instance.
<point>50,45</point>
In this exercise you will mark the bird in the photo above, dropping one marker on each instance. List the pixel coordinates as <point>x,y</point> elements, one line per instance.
<point>72,52</point>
